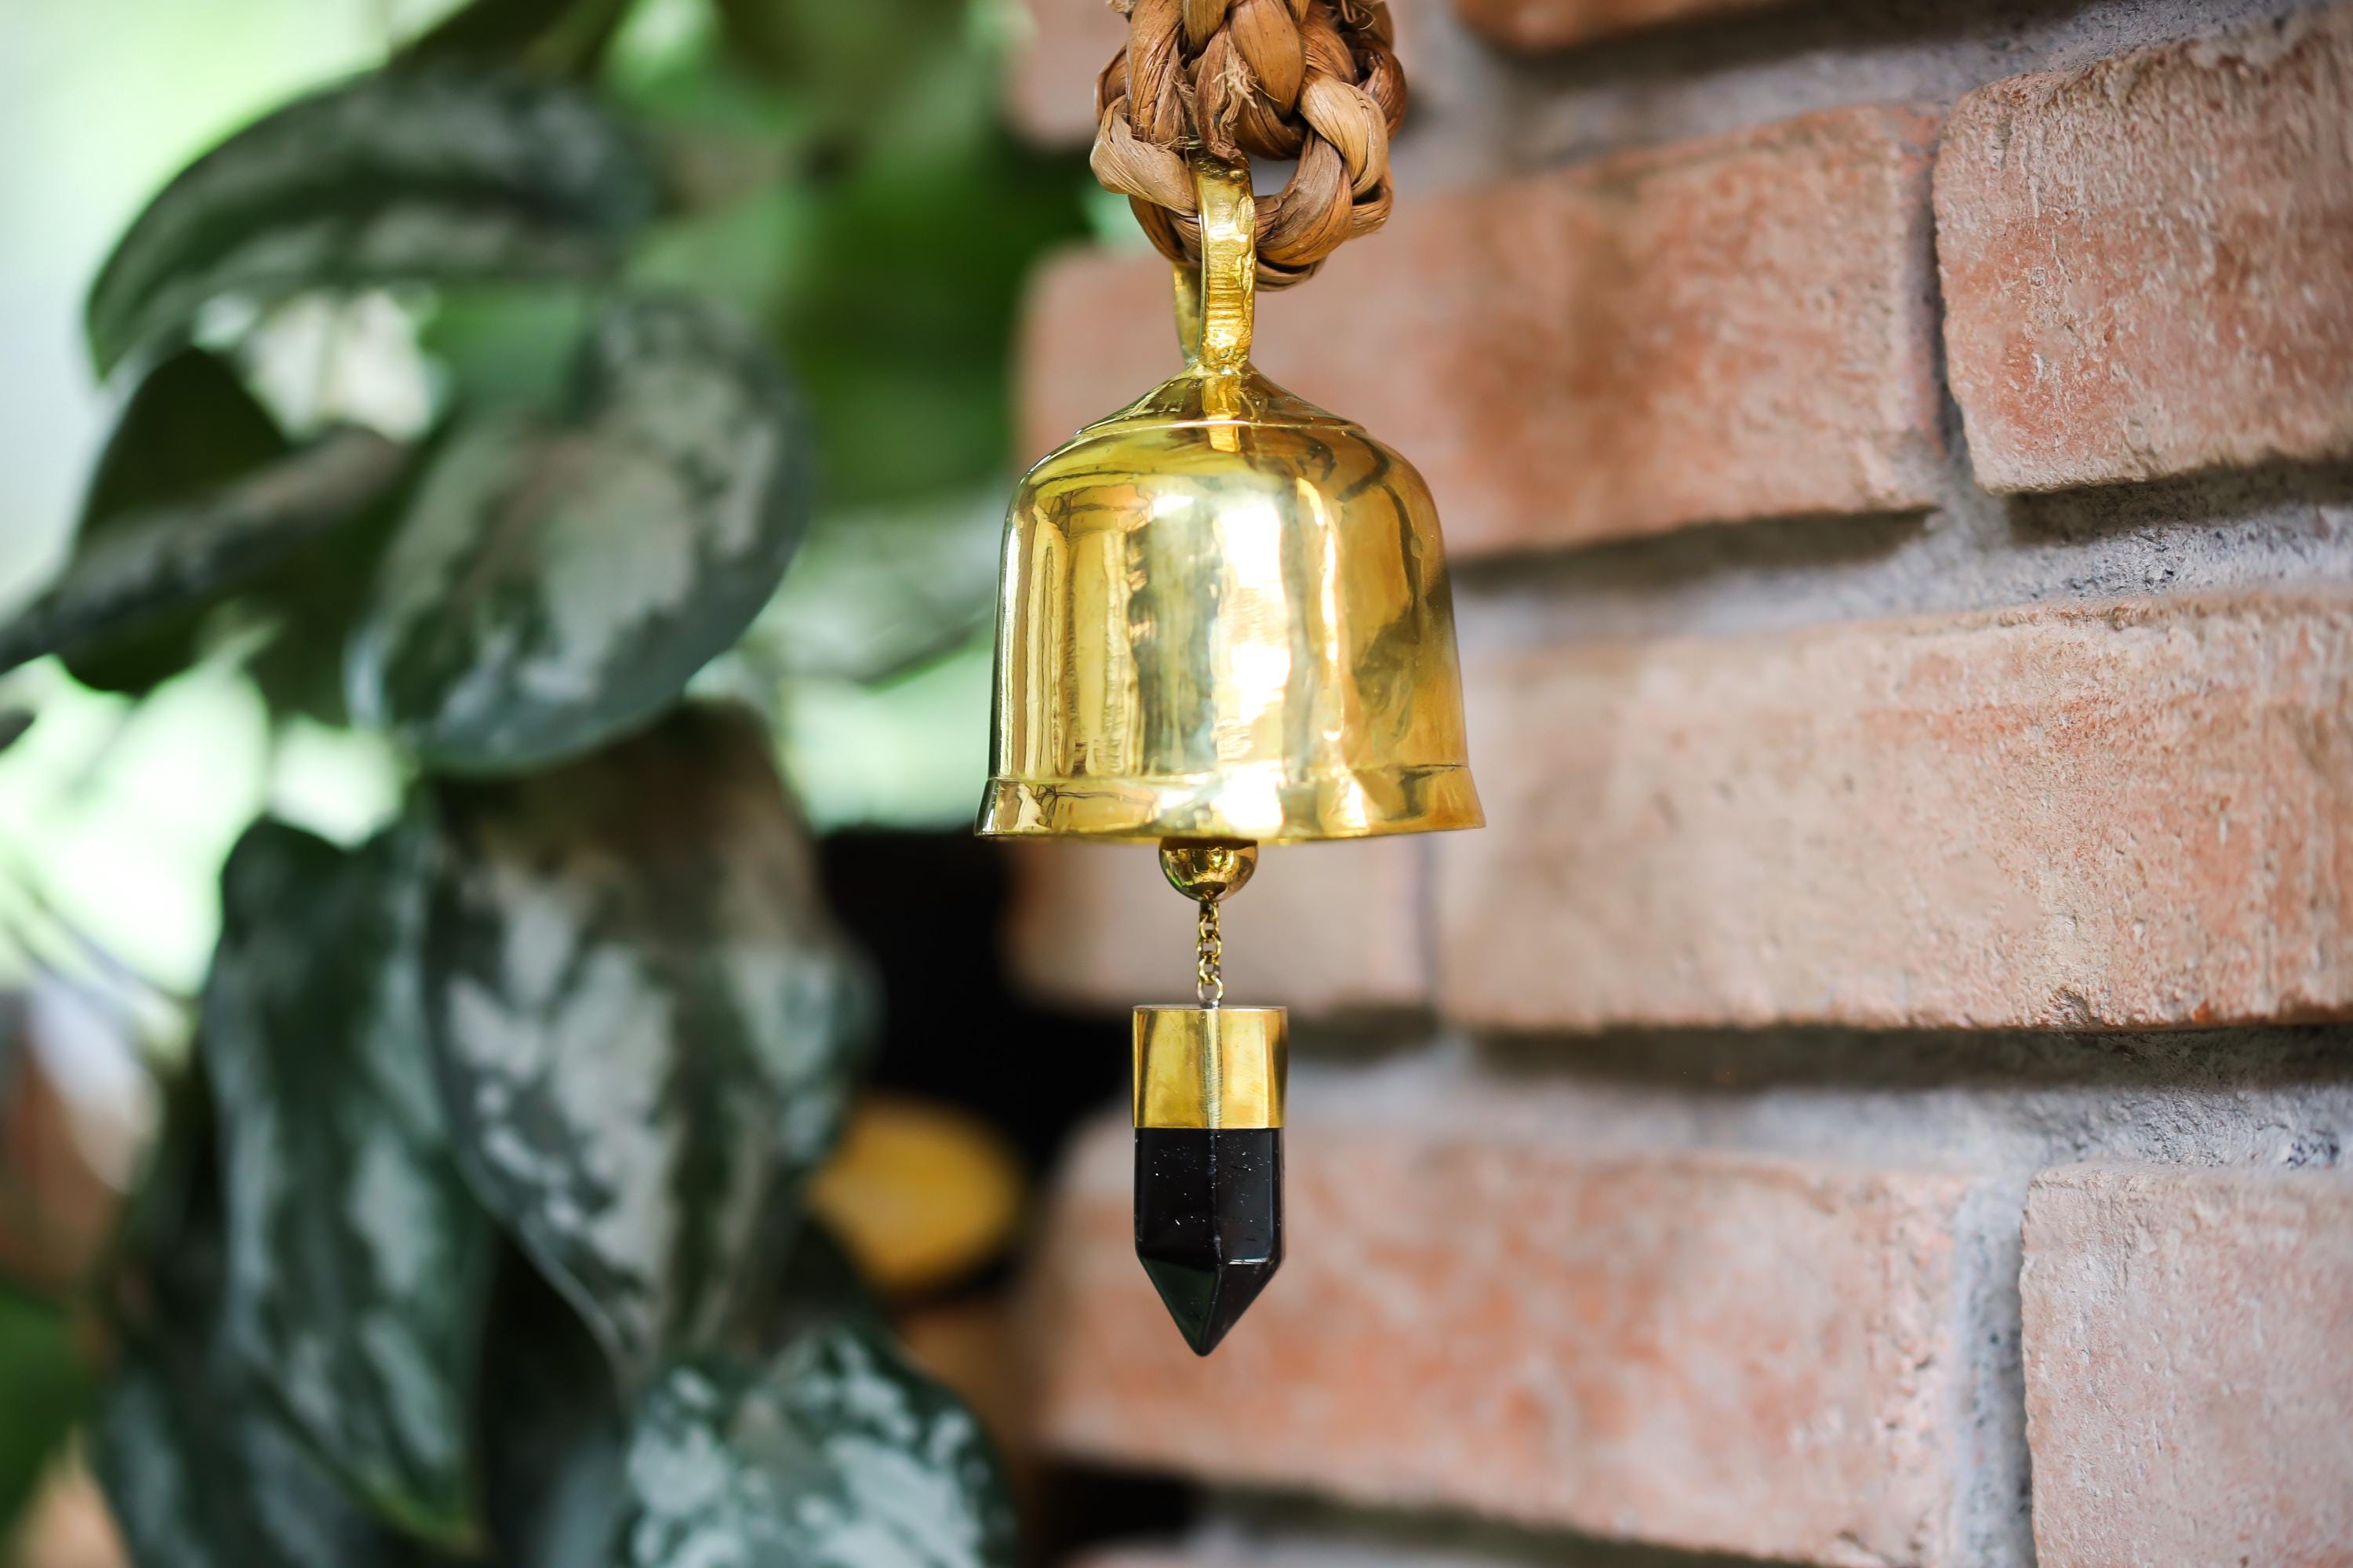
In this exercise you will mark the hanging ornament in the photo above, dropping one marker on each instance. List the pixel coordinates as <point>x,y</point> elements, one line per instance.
<point>1224,621</point>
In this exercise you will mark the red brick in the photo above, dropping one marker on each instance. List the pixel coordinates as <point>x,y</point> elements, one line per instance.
<point>2148,264</point>
<point>2086,816</point>
<point>1716,1352</point>
<point>2189,1341</point>
<point>1370,1543</point>
<point>1049,92</point>
<point>1322,929</point>
<point>1554,24</point>
<point>1731,329</point>
<point>1098,332</point>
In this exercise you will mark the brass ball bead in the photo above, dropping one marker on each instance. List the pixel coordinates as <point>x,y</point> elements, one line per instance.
<point>1206,870</point>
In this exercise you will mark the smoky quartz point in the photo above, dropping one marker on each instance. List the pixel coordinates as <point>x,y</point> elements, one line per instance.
<point>1208,1222</point>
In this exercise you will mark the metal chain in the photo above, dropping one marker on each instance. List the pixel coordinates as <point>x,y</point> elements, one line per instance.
<point>1208,985</point>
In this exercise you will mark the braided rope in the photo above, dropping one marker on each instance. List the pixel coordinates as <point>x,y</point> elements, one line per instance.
<point>1317,81</point>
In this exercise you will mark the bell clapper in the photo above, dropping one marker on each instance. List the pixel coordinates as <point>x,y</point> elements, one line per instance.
<point>1209,1121</point>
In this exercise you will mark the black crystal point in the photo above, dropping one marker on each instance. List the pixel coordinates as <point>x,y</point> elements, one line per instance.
<point>1208,1222</point>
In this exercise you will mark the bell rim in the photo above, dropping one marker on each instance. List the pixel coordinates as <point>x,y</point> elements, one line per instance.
<point>1329,806</point>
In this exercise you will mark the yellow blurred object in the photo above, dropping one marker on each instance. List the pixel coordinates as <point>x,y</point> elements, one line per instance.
<point>920,1193</point>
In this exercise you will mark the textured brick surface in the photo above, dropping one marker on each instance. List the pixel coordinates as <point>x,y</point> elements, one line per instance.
<point>1322,929</point>
<point>2148,263</point>
<point>1732,329</point>
<point>1049,90</point>
<point>1553,24</point>
<point>1712,1352</point>
<point>1373,1540</point>
<point>1098,331</point>
<point>2190,1367</point>
<point>2068,815</point>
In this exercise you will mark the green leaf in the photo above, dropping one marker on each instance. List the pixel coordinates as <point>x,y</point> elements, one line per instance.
<point>646,1024</point>
<point>565,37</point>
<point>904,356</point>
<point>878,591</point>
<point>189,431</point>
<point>358,1262</point>
<point>199,1476</point>
<point>506,345</point>
<point>167,1256</point>
<point>884,233</point>
<point>198,1470</point>
<point>47,1384</point>
<point>144,572</point>
<point>836,1455</point>
<point>819,1285</point>
<point>853,61</point>
<point>307,604</point>
<point>425,175</point>
<point>190,428</point>
<point>556,1435</point>
<point>556,584</point>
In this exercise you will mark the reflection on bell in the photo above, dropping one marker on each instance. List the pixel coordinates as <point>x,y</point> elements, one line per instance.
<point>1224,620</point>
<point>1224,614</point>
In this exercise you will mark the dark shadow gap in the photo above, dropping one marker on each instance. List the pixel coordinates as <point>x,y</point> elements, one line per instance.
<point>1320,1533</point>
<point>1741,1061</point>
<point>1695,553</point>
<point>1677,52</point>
<point>2187,502</point>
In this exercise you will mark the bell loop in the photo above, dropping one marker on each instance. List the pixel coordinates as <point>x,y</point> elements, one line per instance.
<point>1216,303</point>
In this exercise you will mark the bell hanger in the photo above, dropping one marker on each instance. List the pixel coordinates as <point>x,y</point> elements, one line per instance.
<point>1224,621</point>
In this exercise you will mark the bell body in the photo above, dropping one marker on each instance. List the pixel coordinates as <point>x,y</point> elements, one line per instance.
<point>1225,614</point>
<point>1223,620</point>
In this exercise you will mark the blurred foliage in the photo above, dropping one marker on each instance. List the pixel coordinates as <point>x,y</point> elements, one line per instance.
<point>888,269</point>
<point>47,1383</point>
<point>581,351</point>
<point>189,427</point>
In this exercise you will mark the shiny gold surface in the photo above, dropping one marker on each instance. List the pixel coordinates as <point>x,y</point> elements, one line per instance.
<point>1208,869</point>
<point>1216,315</point>
<point>1210,1066</point>
<point>1224,613</point>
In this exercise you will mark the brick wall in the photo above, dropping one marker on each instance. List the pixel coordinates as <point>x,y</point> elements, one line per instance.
<point>1876,1091</point>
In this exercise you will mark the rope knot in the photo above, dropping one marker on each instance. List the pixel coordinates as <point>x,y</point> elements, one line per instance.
<point>1316,81</point>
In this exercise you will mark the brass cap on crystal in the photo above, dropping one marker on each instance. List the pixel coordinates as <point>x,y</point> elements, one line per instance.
<point>1213,1068</point>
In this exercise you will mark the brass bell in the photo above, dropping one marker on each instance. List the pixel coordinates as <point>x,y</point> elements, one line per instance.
<point>1224,620</point>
